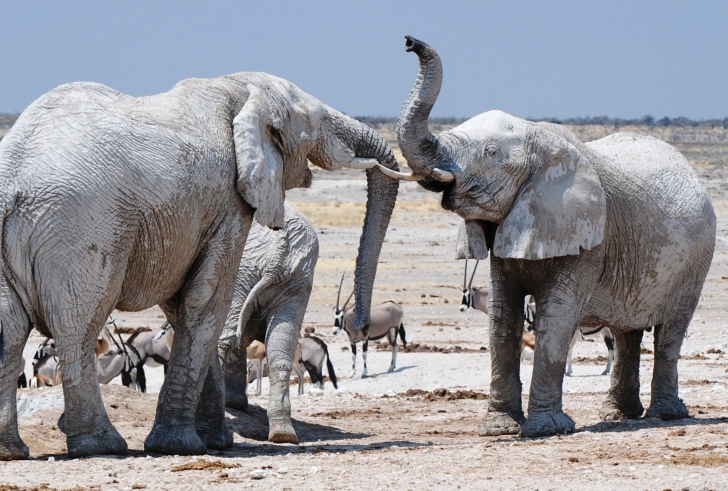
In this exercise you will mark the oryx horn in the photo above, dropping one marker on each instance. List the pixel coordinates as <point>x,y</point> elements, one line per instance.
<point>473,276</point>
<point>338,295</point>
<point>347,301</point>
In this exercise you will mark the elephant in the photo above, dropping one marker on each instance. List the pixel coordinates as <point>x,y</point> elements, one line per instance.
<point>616,232</point>
<point>111,201</point>
<point>272,289</point>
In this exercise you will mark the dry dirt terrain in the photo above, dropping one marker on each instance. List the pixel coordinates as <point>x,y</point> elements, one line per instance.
<point>416,428</point>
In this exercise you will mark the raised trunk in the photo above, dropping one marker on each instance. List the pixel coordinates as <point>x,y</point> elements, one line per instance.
<point>421,148</point>
<point>381,197</point>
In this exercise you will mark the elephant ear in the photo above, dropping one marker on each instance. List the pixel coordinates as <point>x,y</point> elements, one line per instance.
<point>259,163</point>
<point>559,210</point>
<point>473,241</point>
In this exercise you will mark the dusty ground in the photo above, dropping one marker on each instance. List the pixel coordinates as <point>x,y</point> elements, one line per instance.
<point>402,430</point>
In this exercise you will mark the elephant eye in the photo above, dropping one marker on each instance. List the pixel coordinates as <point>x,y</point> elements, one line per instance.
<point>491,149</point>
<point>276,137</point>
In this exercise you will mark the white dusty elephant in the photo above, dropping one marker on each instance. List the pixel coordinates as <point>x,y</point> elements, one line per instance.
<point>272,290</point>
<point>110,201</point>
<point>618,232</point>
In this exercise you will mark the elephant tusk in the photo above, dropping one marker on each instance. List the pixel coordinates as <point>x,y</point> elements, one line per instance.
<point>443,175</point>
<point>359,163</point>
<point>398,175</point>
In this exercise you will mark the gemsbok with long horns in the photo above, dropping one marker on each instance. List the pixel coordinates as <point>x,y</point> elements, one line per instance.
<point>385,320</point>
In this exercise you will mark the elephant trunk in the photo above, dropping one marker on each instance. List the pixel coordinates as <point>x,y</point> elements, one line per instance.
<point>421,148</point>
<point>381,197</point>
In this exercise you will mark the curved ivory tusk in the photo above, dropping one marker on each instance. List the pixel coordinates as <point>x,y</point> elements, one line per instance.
<point>398,175</point>
<point>443,175</point>
<point>360,163</point>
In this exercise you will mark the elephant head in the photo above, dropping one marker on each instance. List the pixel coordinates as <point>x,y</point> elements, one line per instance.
<point>278,129</point>
<point>526,190</point>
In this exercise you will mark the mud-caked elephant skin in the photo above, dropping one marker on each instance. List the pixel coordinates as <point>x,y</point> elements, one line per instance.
<point>616,232</point>
<point>272,290</point>
<point>110,201</point>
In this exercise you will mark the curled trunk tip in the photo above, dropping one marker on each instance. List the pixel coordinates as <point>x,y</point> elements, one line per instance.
<point>414,44</point>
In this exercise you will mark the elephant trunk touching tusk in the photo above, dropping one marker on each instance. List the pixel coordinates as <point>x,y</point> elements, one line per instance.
<point>440,175</point>
<point>368,147</point>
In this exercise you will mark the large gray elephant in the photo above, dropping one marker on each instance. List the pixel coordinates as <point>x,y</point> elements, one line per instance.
<point>110,201</point>
<point>617,232</point>
<point>272,290</point>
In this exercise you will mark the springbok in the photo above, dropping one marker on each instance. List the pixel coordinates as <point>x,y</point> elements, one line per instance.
<point>255,354</point>
<point>310,355</point>
<point>385,319</point>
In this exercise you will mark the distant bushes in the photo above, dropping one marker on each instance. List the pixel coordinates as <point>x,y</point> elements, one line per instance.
<point>649,121</point>
<point>7,120</point>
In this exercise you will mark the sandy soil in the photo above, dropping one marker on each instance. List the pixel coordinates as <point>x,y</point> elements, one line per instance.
<point>415,428</point>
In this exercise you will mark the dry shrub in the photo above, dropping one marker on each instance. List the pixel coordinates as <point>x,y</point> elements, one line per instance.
<point>351,214</point>
<point>204,465</point>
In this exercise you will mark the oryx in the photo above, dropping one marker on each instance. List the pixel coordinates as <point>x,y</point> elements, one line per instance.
<point>478,299</point>
<point>153,347</point>
<point>46,369</point>
<point>385,320</point>
<point>310,354</point>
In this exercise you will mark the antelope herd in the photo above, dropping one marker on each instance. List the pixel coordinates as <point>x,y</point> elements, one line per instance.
<point>126,358</point>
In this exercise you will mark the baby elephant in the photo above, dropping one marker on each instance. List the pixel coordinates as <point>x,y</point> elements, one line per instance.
<point>272,289</point>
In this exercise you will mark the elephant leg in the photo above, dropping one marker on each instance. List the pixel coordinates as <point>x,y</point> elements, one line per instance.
<point>235,373</point>
<point>197,314</point>
<point>567,290</point>
<point>86,424</point>
<point>623,399</point>
<point>15,327</point>
<point>505,413</point>
<point>282,339</point>
<point>665,403</point>
<point>210,416</point>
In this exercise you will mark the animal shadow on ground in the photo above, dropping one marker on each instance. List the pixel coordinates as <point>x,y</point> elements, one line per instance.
<point>630,425</point>
<point>646,423</point>
<point>253,424</point>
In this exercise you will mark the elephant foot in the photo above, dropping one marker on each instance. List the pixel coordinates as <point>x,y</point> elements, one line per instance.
<point>216,436</point>
<point>13,448</point>
<point>174,440</point>
<point>613,410</point>
<point>235,399</point>
<point>282,432</point>
<point>499,423</point>
<point>547,424</point>
<point>104,441</point>
<point>667,408</point>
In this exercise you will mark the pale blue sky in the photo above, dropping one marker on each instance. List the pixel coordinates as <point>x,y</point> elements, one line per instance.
<point>553,58</point>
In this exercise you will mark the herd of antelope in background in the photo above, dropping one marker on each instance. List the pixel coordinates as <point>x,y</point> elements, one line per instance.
<point>126,358</point>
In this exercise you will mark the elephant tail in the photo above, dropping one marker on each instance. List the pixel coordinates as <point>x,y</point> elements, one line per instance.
<point>330,367</point>
<point>247,309</point>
